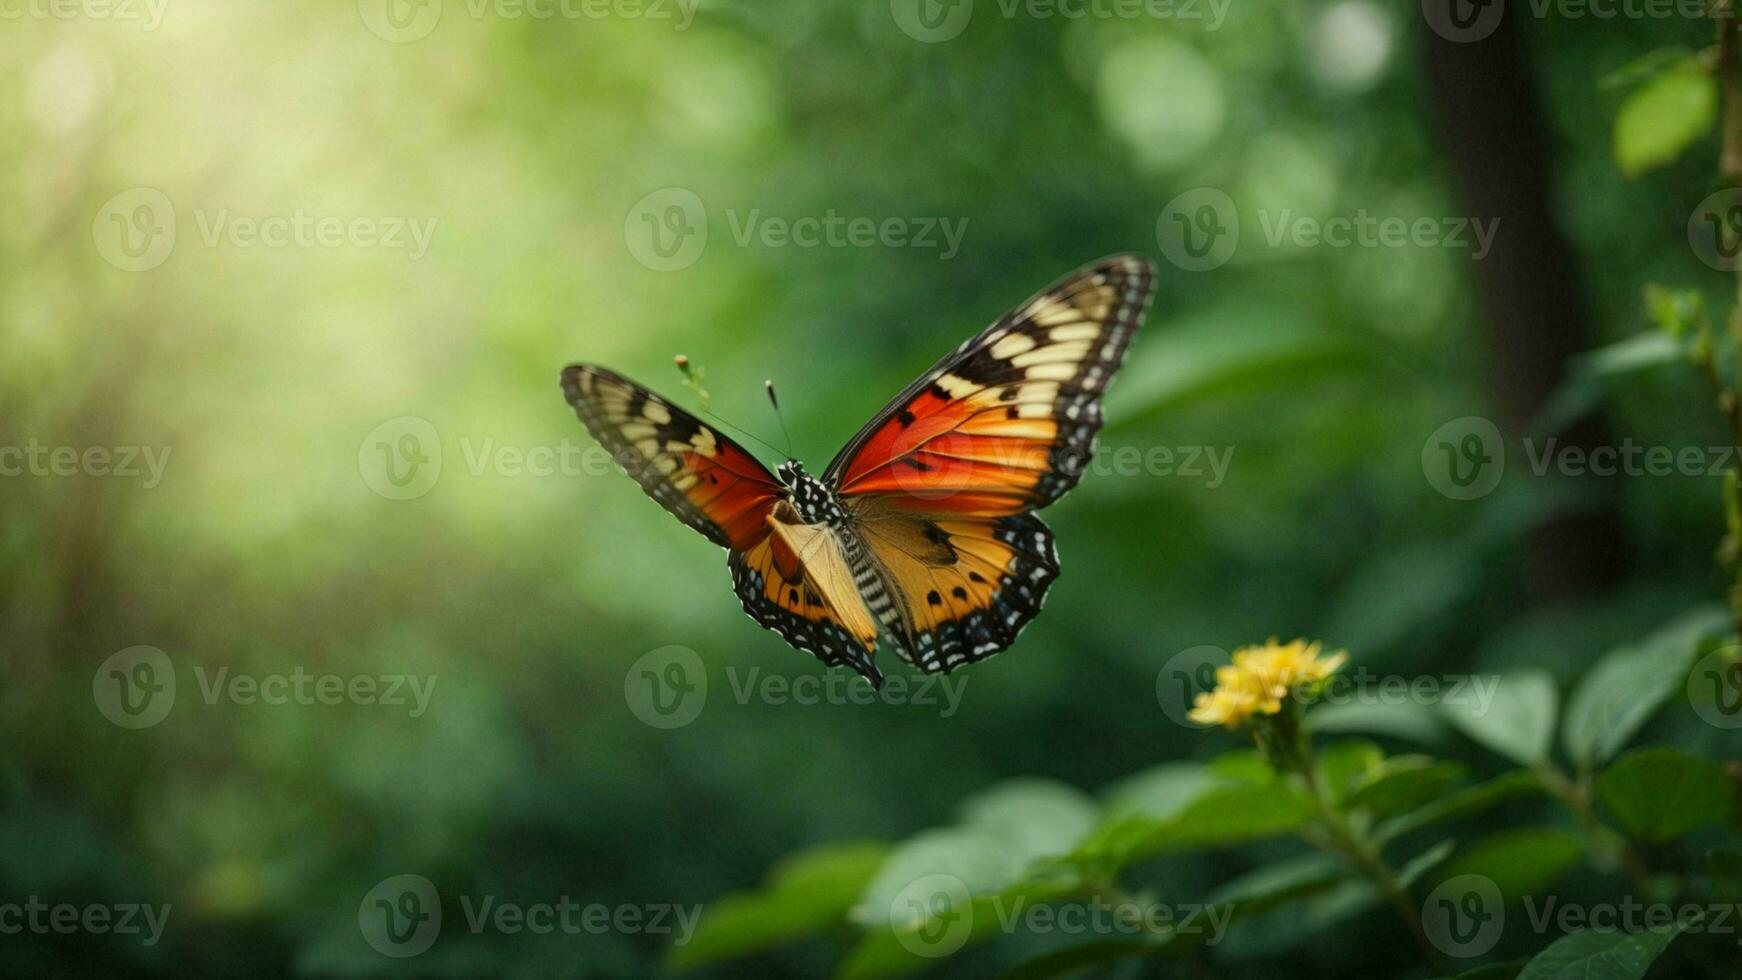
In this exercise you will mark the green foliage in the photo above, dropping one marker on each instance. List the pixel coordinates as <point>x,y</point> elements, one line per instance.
<point>1660,794</point>
<point>1519,861</point>
<point>1595,955</point>
<point>809,892</point>
<point>1629,684</point>
<point>1519,723</point>
<point>1466,802</point>
<point>1403,784</point>
<point>1222,809</point>
<point>1665,116</point>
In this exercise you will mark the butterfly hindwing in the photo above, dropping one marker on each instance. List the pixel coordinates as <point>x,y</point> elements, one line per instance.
<point>1006,423</point>
<point>797,582</point>
<point>703,478</point>
<point>965,586</point>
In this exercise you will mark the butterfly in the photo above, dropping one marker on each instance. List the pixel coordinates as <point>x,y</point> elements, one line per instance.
<point>921,533</point>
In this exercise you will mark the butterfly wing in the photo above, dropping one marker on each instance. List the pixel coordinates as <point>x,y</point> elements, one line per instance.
<point>703,478</point>
<point>1006,422</point>
<point>788,580</point>
<point>943,480</point>
<point>798,583</point>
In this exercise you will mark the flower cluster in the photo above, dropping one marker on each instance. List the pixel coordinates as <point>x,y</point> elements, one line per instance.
<point>1260,678</point>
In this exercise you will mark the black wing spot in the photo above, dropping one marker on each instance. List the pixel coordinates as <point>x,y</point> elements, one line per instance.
<point>934,598</point>
<point>916,464</point>
<point>937,391</point>
<point>1013,412</point>
<point>959,592</point>
<point>905,417</point>
<point>976,577</point>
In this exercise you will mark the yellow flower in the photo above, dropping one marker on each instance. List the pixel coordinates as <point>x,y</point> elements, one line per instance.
<point>1259,679</point>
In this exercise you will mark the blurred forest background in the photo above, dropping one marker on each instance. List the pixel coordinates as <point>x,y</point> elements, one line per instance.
<point>528,147</point>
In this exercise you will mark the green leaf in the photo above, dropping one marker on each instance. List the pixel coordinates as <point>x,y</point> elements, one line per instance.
<point>1592,374</point>
<point>1004,831</point>
<point>1518,722</point>
<point>1341,764</point>
<point>1519,861</point>
<point>1660,794</point>
<point>1628,685</point>
<point>1294,923</point>
<point>1225,811</point>
<point>1403,783</point>
<point>1591,955</point>
<point>893,949</point>
<point>808,892</point>
<point>1618,696</point>
<point>1465,802</point>
<point>1033,817</point>
<point>1664,117</point>
<point>1410,722</point>
<point>1246,766</point>
<point>1159,790</point>
<point>1272,884</point>
<point>1424,862</point>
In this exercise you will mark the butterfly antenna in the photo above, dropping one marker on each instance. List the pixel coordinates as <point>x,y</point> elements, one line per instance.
<point>693,380</point>
<point>774,400</point>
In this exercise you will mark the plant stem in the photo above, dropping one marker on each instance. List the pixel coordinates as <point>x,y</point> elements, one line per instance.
<point>1338,836</point>
<point>1577,796</point>
<point>1729,67</point>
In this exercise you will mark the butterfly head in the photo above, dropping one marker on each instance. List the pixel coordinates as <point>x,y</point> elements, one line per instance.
<point>791,472</point>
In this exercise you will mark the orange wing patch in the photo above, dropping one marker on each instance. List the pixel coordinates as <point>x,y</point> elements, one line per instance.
<point>797,582</point>
<point>700,476</point>
<point>1006,423</point>
<point>965,586</point>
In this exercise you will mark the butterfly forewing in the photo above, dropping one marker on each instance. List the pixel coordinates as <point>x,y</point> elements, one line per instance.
<point>703,478</point>
<point>1006,423</point>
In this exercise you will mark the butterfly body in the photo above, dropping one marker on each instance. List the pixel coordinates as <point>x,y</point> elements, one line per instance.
<point>921,532</point>
<point>812,498</point>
